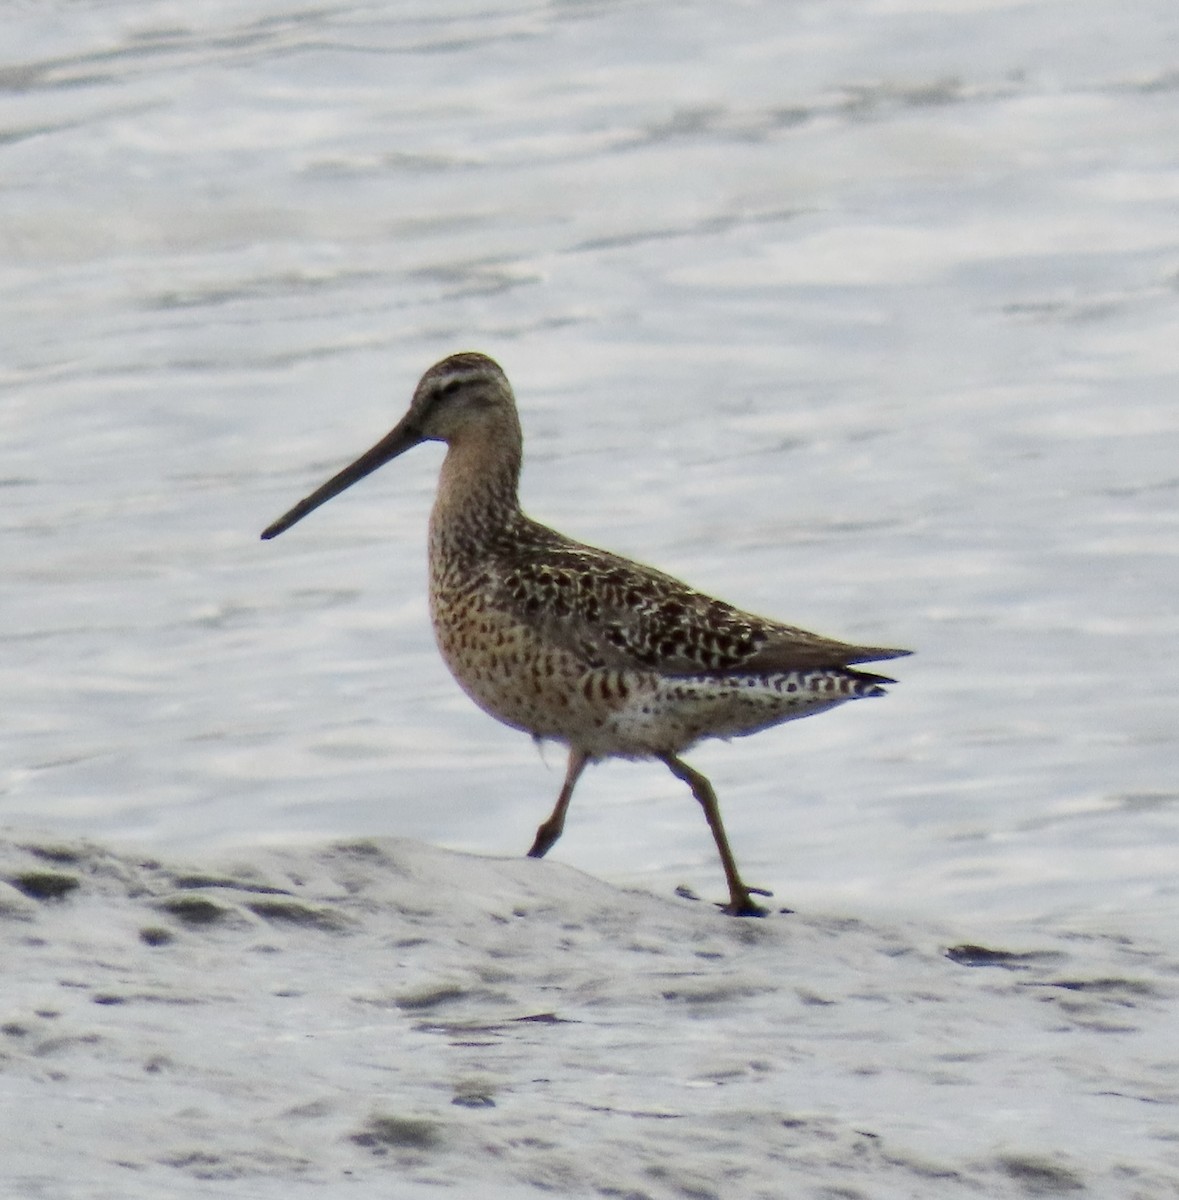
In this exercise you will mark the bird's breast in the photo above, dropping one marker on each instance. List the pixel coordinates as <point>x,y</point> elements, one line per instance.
<point>513,672</point>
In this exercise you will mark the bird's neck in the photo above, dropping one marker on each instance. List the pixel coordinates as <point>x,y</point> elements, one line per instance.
<point>477,495</point>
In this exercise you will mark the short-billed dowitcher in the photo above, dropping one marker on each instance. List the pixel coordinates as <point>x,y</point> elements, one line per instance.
<point>563,641</point>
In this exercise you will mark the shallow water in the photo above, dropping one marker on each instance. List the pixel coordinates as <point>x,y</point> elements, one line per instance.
<point>858,315</point>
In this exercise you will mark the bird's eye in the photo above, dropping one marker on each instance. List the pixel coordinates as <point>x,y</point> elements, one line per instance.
<point>450,387</point>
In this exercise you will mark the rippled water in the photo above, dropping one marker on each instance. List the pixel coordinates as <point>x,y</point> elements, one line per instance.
<point>859,315</point>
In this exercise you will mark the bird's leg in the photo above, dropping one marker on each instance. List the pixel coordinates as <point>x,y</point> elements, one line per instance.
<point>740,901</point>
<point>547,834</point>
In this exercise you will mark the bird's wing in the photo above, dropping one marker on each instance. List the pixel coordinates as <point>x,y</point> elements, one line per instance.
<point>612,612</point>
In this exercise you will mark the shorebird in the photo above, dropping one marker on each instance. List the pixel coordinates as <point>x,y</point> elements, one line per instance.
<point>570,643</point>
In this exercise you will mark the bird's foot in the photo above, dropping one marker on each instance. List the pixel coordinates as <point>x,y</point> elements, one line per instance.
<point>741,903</point>
<point>545,840</point>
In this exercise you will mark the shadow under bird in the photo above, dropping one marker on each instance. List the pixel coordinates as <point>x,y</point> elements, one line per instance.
<point>564,641</point>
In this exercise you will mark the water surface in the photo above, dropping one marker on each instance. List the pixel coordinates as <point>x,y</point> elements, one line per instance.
<point>858,315</point>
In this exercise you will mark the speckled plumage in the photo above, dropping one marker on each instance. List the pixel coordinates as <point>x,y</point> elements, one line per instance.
<point>572,643</point>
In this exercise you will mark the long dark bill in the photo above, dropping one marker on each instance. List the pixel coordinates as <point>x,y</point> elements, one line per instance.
<point>403,436</point>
